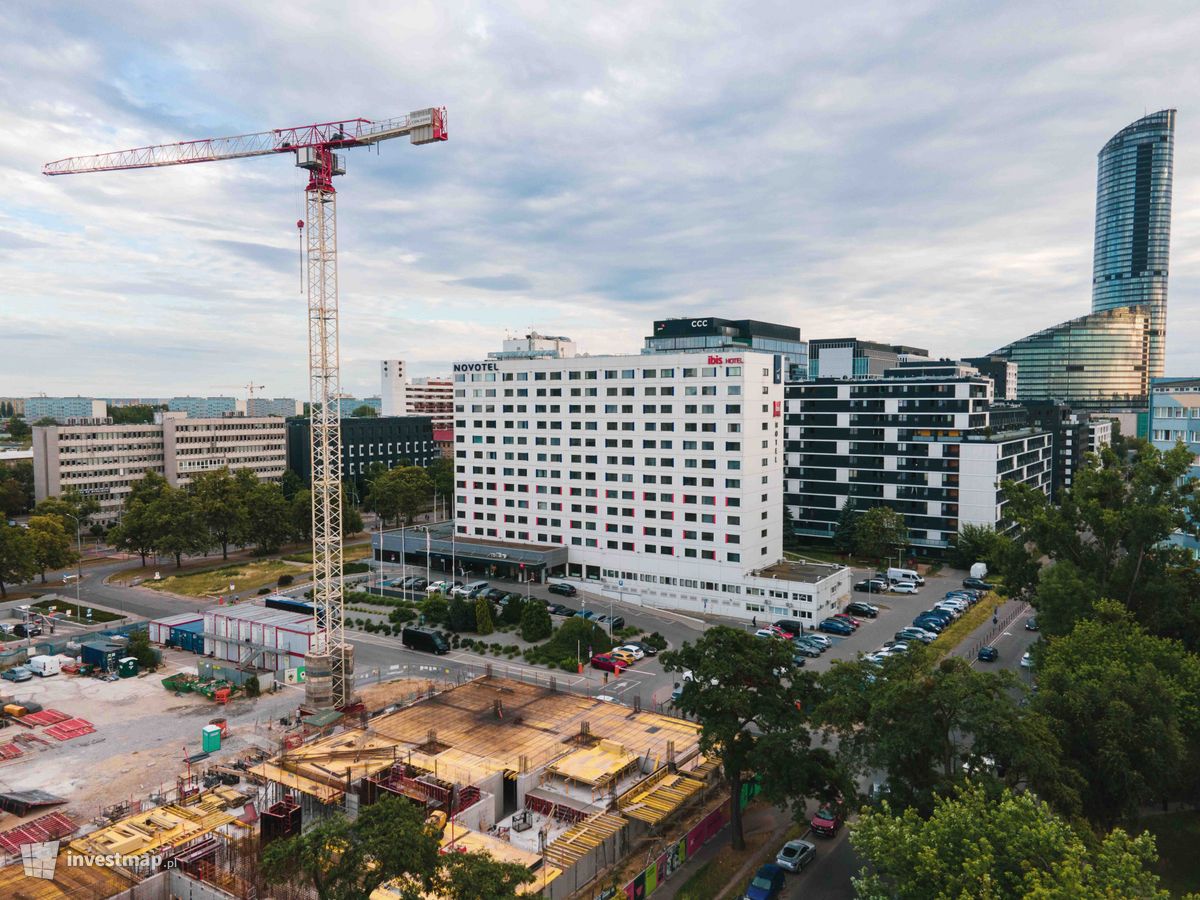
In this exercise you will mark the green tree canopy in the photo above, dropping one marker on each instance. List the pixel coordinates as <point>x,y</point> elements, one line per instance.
<point>138,414</point>
<point>460,614</point>
<point>441,471</point>
<point>365,410</point>
<point>221,505</point>
<point>179,524</point>
<point>880,530</point>
<point>746,695</point>
<point>18,428</point>
<point>53,545</point>
<point>17,562</point>
<point>138,530</point>
<point>402,491</point>
<point>1006,846</point>
<point>845,532</point>
<point>536,624</point>
<point>1125,708</point>
<point>16,487</point>
<point>269,517</point>
<point>483,616</point>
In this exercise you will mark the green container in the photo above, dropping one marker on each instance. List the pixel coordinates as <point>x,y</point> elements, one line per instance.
<point>210,738</point>
<point>127,667</point>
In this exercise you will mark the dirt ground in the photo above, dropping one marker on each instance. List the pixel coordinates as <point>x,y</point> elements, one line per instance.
<point>143,732</point>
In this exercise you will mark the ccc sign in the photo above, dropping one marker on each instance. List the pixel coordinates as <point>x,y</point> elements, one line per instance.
<point>699,323</point>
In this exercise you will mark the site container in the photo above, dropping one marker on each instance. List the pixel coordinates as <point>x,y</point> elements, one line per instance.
<point>210,738</point>
<point>162,630</point>
<point>101,654</point>
<point>127,667</point>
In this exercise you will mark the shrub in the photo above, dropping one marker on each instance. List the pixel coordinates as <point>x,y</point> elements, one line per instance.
<point>253,688</point>
<point>285,579</point>
<point>434,609</point>
<point>263,590</point>
<point>483,617</point>
<point>460,615</point>
<point>535,622</point>
<point>355,568</point>
<point>655,640</point>
<point>511,614</point>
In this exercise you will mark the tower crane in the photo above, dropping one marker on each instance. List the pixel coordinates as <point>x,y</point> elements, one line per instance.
<point>330,661</point>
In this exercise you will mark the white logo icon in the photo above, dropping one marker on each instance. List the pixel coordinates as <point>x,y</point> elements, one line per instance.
<point>39,859</point>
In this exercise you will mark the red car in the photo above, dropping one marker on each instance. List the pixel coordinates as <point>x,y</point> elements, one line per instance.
<point>848,618</point>
<point>827,821</point>
<point>782,632</point>
<point>606,662</point>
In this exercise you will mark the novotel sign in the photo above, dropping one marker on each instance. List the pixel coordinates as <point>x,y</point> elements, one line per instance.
<point>475,367</point>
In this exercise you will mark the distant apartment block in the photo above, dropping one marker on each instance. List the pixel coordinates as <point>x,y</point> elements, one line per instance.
<point>1174,418</point>
<point>103,461</point>
<point>62,408</point>
<point>347,405</point>
<point>430,396</point>
<point>205,407</point>
<point>285,407</point>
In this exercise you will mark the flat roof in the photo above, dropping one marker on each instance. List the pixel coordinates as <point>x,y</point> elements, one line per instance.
<point>594,765</point>
<point>798,570</point>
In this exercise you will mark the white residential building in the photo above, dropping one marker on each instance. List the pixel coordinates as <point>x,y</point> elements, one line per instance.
<point>431,396</point>
<point>661,475</point>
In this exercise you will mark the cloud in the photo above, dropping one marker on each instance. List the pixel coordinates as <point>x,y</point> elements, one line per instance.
<point>901,172</point>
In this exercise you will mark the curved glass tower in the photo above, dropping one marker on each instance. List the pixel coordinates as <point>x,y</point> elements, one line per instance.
<point>1133,224</point>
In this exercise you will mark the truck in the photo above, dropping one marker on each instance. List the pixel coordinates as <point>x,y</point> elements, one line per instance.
<point>45,666</point>
<point>895,575</point>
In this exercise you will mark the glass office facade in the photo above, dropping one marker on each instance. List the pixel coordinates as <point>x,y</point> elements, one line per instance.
<point>1098,361</point>
<point>1133,223</point>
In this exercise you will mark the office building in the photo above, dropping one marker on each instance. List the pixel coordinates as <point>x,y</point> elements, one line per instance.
<point>1074,435</point>
<point>656,477</point>
<point>17,404</point>
<point>923,444</point>
<point>206,407</point>
<point>1133,224</point>
<point>429,396</point>
<point>1003,372</point>
<point>389,441</point>
<point>103,460</point>
<point>1098,361</point>
<point>347,405</point>
<point>1174,418</point>
<point>63,408</point>
<point>1104,361</point>
<point>852,358</point>
<point>729,335</point>
<point>284,407</point>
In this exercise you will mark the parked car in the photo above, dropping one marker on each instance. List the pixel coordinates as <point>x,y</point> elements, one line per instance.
<point>909,575</point>
<point>786,633</point>
<point>905,587</point>
<point>795,855</point>
<point>1027,661</point>
<point>827,821</point>
<point>977,583</point>
<point>616,623</point>
<point>929,623</point>
<point>559,609</point>
<point>406,581</point>
<point>765,633</point>
<point>23,630</point>
<point>418,585</point>
<point>493,595</point>
<point>861,608</point>
<point>626,657</point>
<point>434,586</point>
<point>835,626</point>
<point>913,633</point>
<point>873,586</point>
<point>647,649</point>
<point>812,651</point>
<point>795,626</point>
<point>987,654</point>
<point>848,619</point>
<point>565,590</point>
<point>608,663</point>
<point>634,649</point>
<point>1031,624</point>
<point>816,638</point>
<point>469,590</point>
<point>767,883</point>
<point>588,614</point>
<point>17,673</point>
<point>513,597</point>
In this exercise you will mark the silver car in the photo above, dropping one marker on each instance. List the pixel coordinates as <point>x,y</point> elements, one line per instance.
<point>795,855</point>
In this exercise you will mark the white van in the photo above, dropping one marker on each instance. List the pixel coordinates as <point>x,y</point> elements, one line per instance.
<point>467,589</point>
<point>44,666</point>
<point>895,575</point>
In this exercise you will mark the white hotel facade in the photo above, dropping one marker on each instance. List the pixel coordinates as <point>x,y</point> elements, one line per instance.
<point>661,474</point>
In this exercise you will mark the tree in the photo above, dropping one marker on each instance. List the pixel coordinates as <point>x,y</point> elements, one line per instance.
<point>402,491</point>
<point>1010,845</point>
<point>513,610</point>
<point>483,616</point>
<point>927,723</point>
<point>17,428</point>
<point>221,506</point>
<point>974,543</point>
<point>291,484</point>
<point>45,422</point>
<point>535,622</point>
<point>352,521</point>
<point>1113,525</point>
<point>460,615</point>
<point>179,525</point>
<point>879,531</point>
<point>435,609</point>
<point>365,410</point>
<point>139,648</point>
<point>301,514</point>
<point>16,488</point>
<point>470,876</point>
<point>17,563</point>
<point>750,716</point>
<point>53,546</point>
<point>137,532</point>
<point>441,471</point>
<point>269,517</point>
<point>845,532</point>
<point>71,503</point>
<point>138,414</point>
<point>1125,707</point>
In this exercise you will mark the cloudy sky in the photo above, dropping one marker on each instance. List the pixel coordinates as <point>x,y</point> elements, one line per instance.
<point>916,172</point>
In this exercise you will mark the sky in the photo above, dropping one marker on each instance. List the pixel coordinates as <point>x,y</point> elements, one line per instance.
<point>915,172</point>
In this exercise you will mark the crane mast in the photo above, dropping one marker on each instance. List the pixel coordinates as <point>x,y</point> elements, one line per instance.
<point>329,664</point>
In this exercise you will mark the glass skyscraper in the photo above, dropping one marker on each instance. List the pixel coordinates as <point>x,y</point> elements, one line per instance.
<point>1106,360</point>
<point>1133,224</point>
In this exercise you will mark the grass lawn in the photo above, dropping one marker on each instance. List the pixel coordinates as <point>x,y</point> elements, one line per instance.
<point>1178,836</point>
<point>66,609</point>
<point>246,576</point>
<point>350,553</point>
<point>712,877</point>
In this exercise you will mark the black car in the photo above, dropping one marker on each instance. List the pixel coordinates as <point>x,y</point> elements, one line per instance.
<point>23,630</point>
<point>988,654</point>
<point>418,585</point>
<point>929,623</point>
<point>558,609</point>
<point>1031,624</point>
<point>565,590</point>
<point>872,586</point>
<point>977,583</point>
<point>616,623</point>
<point>859,608</point>
<point>495,594</point>
<point>644,647</point>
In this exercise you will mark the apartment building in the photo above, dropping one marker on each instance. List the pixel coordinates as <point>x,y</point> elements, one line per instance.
<point>103,460</point>
<point>660,475</point>
<point>62,408</point>
<point>206,407</point>
<point>921,439</point>
<point>284,407</point>
<point>430,396</point>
